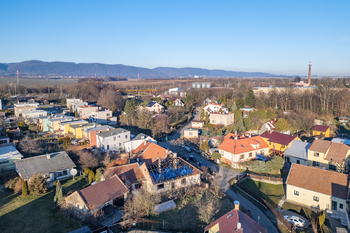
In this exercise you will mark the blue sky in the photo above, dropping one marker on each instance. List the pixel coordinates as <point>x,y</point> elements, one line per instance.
<point>279,37</point>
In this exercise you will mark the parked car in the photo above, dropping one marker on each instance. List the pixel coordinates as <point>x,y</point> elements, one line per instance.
<point>188,149</point>
<point>261,157</point>
<point>295,221</point>
<point>201,164</point>
<point>193,159</point>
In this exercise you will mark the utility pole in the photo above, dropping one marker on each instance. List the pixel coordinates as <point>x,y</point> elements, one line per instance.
<point>15,89</point>
<point>17,80</point>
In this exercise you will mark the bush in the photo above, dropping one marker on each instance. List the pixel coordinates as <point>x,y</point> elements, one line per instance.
<point>37,185</point>
<point>18,186</point>
<point>91,176</point>
<point>99,173</point>
<point>25,189</point>
<point>259,167</point>
<point>215,155</point>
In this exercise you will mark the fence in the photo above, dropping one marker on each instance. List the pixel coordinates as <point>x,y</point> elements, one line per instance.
<point>280,217</point>
<point>265,179</point>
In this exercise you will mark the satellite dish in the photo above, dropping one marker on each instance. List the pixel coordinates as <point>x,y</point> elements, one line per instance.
<point>239,225</point>
<point>73,172</point>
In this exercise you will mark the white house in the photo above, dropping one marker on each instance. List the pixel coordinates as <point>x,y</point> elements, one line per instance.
<point>100,116</point>
<point>178,102</point>
<point>318,188</point>
<point>137,141</point>
<point>113,139</point>
<point>210,108</point>
<point>34,115</point>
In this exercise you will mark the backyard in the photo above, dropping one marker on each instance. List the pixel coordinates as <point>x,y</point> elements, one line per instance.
<point>36,213</point>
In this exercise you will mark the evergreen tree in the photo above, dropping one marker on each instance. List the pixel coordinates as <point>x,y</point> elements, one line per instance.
<point>240,126</point>
<point>234,107</point>
<point>91,176</point>
<point>206,119</point>
<point>247,123</point>
<point>202,115</point>
<point>205,146</point>
<point>270,114</point>
<point>145,120</point>
<point>344,82</point>
<point>240,103</point>
<point>70,109</point>
<point>76,113</point>
<point>238,113</point>
<point>25,189</point>
<point>250,99</point>
<point>58,194</point>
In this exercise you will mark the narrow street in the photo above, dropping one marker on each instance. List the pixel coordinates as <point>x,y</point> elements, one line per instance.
<point>224,174</point>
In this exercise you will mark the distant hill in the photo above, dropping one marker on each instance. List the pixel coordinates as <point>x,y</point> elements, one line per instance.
<point>34,67</point>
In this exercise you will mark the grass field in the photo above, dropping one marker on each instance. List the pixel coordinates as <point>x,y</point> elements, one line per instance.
<point>273,192</point>
<point>32,81</point>
<point>185,216</point>
<point>36,213</point>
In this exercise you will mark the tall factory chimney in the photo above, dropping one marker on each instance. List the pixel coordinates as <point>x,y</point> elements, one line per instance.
<point>309,77</point>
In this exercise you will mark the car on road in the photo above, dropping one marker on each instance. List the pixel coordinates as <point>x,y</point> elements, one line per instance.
<point>193,159</point>
<point>201,164</point>
<point>295,221</point>
<point>188,149</point>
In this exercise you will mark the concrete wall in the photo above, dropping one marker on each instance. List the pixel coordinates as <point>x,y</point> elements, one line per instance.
<point>176,184</point>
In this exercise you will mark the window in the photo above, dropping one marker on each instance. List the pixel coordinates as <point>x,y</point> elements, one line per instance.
<point>242,156</point>
<point>183,181</point>
<point>221,122</point>
<point>126,136</point>
<point>190,133</point>
<point>314,163</point>
<point>332,167</point>
<point>250,154</point>
<point>214,117</point>
<point>222,117</point>
<point>213,121</point>
<point>120,144</point>
<point>298,161</point>
<point>262,152</point>
<point>3,162</point>
<point>137,186</point>
<point>114,138</point>
<point>296,192</point>
<point>340,206</point>
<point>316,198</point>
<point>160,186</point>
<point>64,173</point>
<point>316,154</point>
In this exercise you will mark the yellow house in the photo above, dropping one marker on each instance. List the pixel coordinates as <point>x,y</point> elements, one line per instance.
<point>330,155</point>
<point>278,142</point>
<point>66,125</point>
<point>77,129</point>
<point>321,130</point>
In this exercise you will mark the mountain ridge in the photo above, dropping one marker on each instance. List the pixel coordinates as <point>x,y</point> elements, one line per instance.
<point>36,67</point>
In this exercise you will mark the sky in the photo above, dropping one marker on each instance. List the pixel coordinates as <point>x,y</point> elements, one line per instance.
<point>278,37</point>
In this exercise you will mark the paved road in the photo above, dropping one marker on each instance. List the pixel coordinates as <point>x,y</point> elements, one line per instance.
<point>224,174</point>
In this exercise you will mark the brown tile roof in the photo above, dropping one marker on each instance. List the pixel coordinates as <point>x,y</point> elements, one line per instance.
<point>242,144</point>
<point>149,152</point>
<point>320,128</point>
<point>320,145</point>
<point>228,223</point>
<point>125,172</point>
<point>318,180</point>
<point>279,138</point>
<point>102,192</point>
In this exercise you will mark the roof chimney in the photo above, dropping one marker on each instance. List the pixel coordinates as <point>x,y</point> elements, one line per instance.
<point>145,142</point>
<point>236,205</point>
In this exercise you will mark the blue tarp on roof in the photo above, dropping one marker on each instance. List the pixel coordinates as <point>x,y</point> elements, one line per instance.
<point>170,173</point>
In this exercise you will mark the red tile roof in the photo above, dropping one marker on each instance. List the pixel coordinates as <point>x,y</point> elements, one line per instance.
<point>125,172</point>
<point>242,144</point>
<point>279,138</point>
<point>149,152</point>
<point>102,192</point>
<point>228,223</point>
<point>320,128</point>
<point>318,180</point>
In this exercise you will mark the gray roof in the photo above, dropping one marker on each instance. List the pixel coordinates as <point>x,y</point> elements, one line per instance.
<point>345,141</point>
<point>42,164</point>
<point>150,104</point>
<point>82,125</point>
<point>140,136</point>
<point>109,133</point>
<point>297,149</point>
<point>97,128</point>
<point>9,152</point>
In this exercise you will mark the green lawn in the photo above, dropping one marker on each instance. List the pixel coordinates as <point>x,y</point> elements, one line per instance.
<point>185,216</point>
<point>36,213</point>
<point>270,192</point>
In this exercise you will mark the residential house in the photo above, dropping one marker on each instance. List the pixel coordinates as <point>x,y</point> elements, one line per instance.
<point>4,140</point>
<point>212,108</point>
<point>191,133</point>
<point>76,130</point>
<point>150,152</point>
<point>8,156</point>
<point>113,139</point>
<point>133,174</point>
<point>54,123</point>
<point>154,107</point>
<point>344,119</point>
<point>93,198</point>
<point>330,155</point>
<point>235,221</point>
<point>74,103</point>
<point>197,124</point>
<point>268,126</point>
<point>278,142</point>
<point>65,125</point>
<point>222,118</point>
<point>178,102</point>
<point>85,111</point>
<point>100,116</point>
<point>169,174</point>
<point>90,133</point>
<point>237,149</point>
<point>297,152</point>
<point>54,166</point>
<point>317,188</point>
<point>345,141</point>
<point>321,130</point>
<point>33,116</point>
<point>246,111</point>
<point>24,107</point>
<point>43,122</point>
<point>137,141</point>
<point>207,101</point>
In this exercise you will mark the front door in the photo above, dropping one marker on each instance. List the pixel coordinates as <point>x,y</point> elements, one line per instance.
<point>334,205</point>
<point>287,159</point>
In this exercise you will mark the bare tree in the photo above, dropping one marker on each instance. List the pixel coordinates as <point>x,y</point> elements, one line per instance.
<point>87,159</point>
<point>207,208</point>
